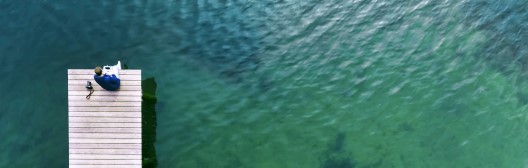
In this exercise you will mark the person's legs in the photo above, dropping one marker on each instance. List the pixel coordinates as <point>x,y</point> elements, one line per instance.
<point>118,65</point>
<point>116,68</point>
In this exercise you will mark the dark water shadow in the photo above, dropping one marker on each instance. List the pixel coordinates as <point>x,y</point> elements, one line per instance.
<point>335,155</point>
<point>226,41</point>
<point>505,23</point>
<point>149,123</point>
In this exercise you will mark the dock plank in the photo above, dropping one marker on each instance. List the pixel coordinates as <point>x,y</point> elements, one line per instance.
<point>105,98</point>
<point>99,88</point>
<point>106,151</point>
<point>105,109</point>
<point>105,166</point>
<point>102,141</point>
<point>91,72</point>
<point>105,114</point>
<point>104,146</point>
<point>104,131</point>
<point>104,156</point>
<point>104,125</point>
<point>91,77</point>
<point>104,162</point>
<point>103,104</point>
<point>104,119</point>
<point>105,93</point>
<point>123,83</point>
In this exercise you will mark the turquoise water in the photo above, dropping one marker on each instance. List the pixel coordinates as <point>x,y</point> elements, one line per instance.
<point>283,83</point>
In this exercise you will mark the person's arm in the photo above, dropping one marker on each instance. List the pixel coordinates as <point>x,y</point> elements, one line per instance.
<point>115,82</point>
<point>98,79</point>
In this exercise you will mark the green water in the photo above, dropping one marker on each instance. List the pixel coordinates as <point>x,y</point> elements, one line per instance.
<point>267,84</point>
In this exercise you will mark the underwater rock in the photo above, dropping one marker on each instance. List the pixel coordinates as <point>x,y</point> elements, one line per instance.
<point>339,143</point>
<point>336,162</point>
<point>335,154</point>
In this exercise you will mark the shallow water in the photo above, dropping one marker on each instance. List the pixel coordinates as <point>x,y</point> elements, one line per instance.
<point>284,83</point>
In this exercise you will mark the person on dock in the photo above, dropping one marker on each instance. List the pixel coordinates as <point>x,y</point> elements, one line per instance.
<point>109,80</point>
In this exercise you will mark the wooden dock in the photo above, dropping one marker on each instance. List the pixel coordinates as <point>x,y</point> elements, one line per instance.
<point>104,131</point>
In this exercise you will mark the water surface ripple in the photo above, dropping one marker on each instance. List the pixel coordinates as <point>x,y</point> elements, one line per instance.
<point>281,83</point>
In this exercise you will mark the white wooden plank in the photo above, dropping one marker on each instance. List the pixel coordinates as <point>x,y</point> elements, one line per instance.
<point>105,125</point>
<point>123,83</point>
<point>104,135</point>
<point>105,93</point>
<point>104,114</point>
<point>97,87</point>
<point>103,156</point>
<point>104,98</point>
<point>104,146</point>
<point>106,151</point>
<point>104,162</point>
<point>103,104</point>
<point>105,166</point>
<point>104,119</point>
<point>91,77</point>
<point>118,141</point>
<point>105,130</point>
<point>104,109</point>
<point>91,71</point>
